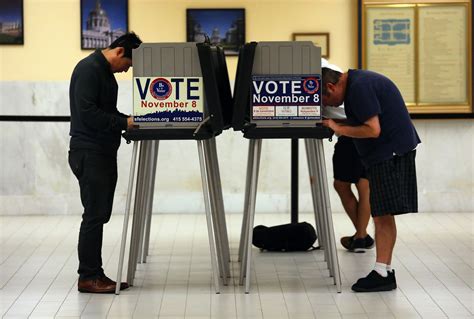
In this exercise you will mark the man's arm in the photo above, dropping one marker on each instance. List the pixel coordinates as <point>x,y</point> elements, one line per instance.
<point>86,95</point>
<point>370,128</point>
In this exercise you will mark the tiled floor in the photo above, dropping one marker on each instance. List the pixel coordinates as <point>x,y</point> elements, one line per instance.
<point>434,260</point>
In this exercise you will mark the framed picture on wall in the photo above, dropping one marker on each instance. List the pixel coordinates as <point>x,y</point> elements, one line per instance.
<point>425,48</point>
<point>11,22</point>
<point>320,39</point>
<point>223,27</point>
<point>102,21</point>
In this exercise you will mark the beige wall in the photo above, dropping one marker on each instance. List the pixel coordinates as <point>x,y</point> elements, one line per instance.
<point>52,31</point>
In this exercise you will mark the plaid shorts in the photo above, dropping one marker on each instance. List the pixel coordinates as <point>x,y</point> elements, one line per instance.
<point>393,188</point>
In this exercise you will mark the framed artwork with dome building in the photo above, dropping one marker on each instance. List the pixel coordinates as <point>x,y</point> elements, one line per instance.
<point>223,27</point>
<point>102,21</point>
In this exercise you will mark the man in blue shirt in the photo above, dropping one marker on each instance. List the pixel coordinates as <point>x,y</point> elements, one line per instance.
<point>385,139</point>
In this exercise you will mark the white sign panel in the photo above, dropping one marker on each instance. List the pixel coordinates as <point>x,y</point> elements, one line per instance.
<point>168,99</point>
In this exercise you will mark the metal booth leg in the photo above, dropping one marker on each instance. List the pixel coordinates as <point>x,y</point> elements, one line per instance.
<point>311,159</point>
<point>318,197</point>
<point>246,229</point>
<point>126,216</point>
<point>243,232</point>
<point>207,204</point>
<point>217,210</point>
<point>331,236</point>
<point>149,210</point>
<point>252,201</point>
<point>220,202</point>
<point>324,213</point>
<point>146,199</point>
<point>246,216</point>
<point>137,212</point>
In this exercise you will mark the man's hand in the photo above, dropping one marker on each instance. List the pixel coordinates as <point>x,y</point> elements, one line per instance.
<point>332,125</point>
<point>130,123</point>
<point>370,128</point>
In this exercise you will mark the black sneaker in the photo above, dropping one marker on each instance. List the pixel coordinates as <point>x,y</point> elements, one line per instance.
<point>375,282</point>
<point>357,245</point>
<point>391,275</point>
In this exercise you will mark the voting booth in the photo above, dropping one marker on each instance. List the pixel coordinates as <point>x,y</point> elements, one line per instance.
<point>180,92</point>
<point>277,94</point>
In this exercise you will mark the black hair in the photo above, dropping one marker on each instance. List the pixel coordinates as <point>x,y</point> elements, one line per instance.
<point>329,76</point>
<point>128,41</point>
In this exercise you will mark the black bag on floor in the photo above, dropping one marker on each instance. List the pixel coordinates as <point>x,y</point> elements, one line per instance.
<point>288,237</point>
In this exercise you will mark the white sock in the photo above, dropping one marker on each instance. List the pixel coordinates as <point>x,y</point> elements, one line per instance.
<point>381,269</point>
<point>389,268</point>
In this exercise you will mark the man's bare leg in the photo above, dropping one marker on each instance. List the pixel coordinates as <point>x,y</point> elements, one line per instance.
<point>385,237</point>
<point>351,205</point>
<point>363,208</point>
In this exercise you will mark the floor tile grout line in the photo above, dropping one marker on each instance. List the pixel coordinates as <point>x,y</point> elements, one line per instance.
<point>437,218</point>
<point>14,230</point>
<point>169,263</point>
<point>73,285</point>
<point>416,280</point>
<point>436,253</point>
<point>411,261</point>
<point>23,265</point>
<point>457,240</point>
<point>33,229</point>
<point>304,286</point>
<point>152,247</point>
<point>189,266</point>
<point>434,275</point>
<point>59,271</point>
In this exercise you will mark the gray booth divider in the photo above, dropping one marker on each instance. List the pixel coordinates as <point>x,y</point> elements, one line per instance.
<point>272,65</point>
<point>188,77</point>
<point>163,69</point>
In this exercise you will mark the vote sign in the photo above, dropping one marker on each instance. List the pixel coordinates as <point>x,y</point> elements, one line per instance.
<point>168,99</point>
<point>286,97</point>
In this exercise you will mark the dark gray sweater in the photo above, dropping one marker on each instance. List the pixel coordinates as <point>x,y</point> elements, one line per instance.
<point>96,124</point>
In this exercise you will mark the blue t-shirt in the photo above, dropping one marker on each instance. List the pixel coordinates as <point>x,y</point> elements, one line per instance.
<point>369,94</point>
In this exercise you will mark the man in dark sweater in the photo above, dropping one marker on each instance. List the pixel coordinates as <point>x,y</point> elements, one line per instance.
<point>385,139</point>
<point>96,127</point>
